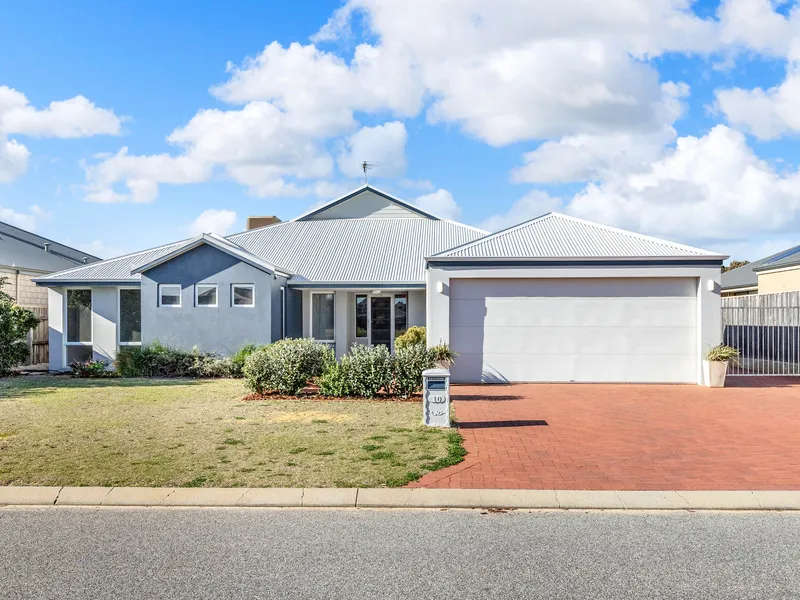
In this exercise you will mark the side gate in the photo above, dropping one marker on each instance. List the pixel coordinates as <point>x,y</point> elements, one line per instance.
<point>765,328</point>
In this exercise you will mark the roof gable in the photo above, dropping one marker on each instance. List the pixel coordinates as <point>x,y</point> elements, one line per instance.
<point>214,241</point>
<point>26,250</point>
<point>366,202</point>
<point>561,237</point>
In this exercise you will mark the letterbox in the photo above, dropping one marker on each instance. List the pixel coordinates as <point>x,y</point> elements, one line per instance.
<point>436,397</point>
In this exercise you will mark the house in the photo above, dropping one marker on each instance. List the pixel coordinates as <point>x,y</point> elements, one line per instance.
<point>552,299</point>
<point>25,256</point>
<point>779,272</point>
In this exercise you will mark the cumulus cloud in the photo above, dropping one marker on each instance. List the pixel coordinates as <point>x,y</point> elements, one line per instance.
<point>73,118</point>
<point>383,145</point>
<point>441,203</point>
<point>213,221</point>
<point>533,204</point>
<point>22,220</point>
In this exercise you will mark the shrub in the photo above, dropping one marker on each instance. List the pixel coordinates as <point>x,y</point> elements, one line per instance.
<point>369,370</point>
<point>722,353</point>
<point>286,366</point>
<point>91,369</point>
<point>158,360</point>
<point>15,323</point>
<point>335,379</point>
<point>240,357</point>
<point>408,363</point>
<point>442,352</point>
<point>414,335</point>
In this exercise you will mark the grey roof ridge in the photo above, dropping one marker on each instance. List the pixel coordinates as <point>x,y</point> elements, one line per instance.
<point>358,190</point>
<point>511,229</point>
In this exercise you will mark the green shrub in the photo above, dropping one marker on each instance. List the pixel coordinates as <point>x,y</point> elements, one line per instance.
<point>91,369</point>
<point>414,335</point>
<point>158,360</point>
<point>335,379</point>
<point>15,323</point>
<point>442,352</point>
<point>408,363</point>
<point>722,353</point>
<point>286,365</point>
<point>369,370</point>
<point>240,357</point>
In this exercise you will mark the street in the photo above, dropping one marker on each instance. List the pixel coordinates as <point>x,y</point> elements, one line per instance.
<point>266,553</point>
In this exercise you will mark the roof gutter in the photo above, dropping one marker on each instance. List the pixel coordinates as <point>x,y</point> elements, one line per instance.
<point>650,261</point>
<point>367,285</point>
<point>85,282</point>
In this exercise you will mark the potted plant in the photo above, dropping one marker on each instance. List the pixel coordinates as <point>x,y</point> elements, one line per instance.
<point>715,366</point>
<point>443,357</point>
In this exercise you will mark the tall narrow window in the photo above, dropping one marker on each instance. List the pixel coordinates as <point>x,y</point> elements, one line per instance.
<point>361,315</point>
<point>130,316</point>
<point>79,325</point>
<point>322,317</point>
<point>400,314</point>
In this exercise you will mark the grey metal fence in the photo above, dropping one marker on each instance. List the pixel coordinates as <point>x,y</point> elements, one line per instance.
<point>765,328</point>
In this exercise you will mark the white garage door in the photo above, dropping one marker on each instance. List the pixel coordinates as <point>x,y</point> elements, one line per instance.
<point>615,330</point>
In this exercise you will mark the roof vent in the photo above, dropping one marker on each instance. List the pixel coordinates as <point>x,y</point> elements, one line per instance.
<point>85,260</point>
<point>256,222</point>
<point>46,247</point>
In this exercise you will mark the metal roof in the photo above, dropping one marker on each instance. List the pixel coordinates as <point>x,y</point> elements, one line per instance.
<point>746,276</point>
<point>353,251</point>
<point>26,250</point>
<point>785,258</point>
<point>557,236</point>
<point>368,251</point>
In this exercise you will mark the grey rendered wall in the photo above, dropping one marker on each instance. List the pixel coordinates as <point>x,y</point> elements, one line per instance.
<point>223,329</point>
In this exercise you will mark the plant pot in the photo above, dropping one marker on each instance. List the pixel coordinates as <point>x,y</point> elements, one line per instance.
<point>443,364</point>
<point>714,373</point>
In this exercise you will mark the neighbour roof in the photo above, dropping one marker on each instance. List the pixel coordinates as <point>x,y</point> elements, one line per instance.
<point>26,250</point>
<point>747,275</point>
<point>333,208</point>
<point>557,236</point>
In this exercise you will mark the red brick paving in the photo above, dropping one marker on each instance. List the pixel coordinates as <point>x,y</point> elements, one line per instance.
<point>628,437</point>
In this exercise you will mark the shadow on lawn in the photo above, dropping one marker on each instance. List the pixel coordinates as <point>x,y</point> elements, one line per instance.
<point>20,387</point>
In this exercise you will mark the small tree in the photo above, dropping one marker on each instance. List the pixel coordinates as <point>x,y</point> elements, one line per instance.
<point>15,323</point>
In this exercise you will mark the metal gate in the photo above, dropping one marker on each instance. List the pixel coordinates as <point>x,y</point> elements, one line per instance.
<point>765,328</point>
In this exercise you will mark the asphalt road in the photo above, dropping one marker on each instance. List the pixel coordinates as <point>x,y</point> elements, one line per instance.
<point>260,553</point>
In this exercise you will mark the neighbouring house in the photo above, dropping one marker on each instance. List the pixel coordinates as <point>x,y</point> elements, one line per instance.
<point>552,299</point>
<point>779,272</point>
<point>25,256</point>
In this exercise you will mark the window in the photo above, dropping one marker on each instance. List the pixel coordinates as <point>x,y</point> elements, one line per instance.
<point>283,312</point>
<point>79,326</point>
<point>206,294</point>
<point>169,295</point>
<point>322,317</point>
<point>361,315</point>
<point>400,314</point>
<point>243,294</point>
<point>130,316</point>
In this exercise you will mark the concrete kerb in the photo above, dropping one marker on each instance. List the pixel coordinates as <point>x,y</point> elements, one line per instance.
<point>400,498</point>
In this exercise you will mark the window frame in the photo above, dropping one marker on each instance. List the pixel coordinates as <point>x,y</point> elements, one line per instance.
<point>366,297</point>
<point>66,317</point>
<point>119,315</point>
<point>197,287</point>
<point>395,296</point>
<point>160,295</point>
<point>311,320</point>
<point>252,287</point>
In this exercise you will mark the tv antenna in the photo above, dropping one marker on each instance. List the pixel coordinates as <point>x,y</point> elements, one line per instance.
<point>368,166</point>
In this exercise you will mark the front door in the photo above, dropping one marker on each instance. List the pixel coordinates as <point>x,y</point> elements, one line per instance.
<point>381,321</point>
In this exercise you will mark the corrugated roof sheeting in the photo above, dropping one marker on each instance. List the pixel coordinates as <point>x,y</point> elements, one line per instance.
<point>559,236</point>
<point>356,250</point>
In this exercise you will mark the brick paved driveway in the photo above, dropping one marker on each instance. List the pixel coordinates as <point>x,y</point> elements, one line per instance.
<point>628,437</point>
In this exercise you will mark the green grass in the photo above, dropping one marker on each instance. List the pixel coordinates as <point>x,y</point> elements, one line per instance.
<point>62,431</point>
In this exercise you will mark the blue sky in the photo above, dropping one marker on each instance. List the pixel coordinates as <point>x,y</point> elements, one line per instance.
<point>648,117</point>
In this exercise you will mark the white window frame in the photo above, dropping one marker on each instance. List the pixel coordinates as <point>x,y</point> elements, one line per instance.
<point>197,287</point>
<point>180,295</point>
<point>311,320</point>
<point>252,287</point>
<point>119,315</point>
<point>66,324</point>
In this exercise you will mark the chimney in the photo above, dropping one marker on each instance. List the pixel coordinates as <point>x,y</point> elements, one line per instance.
<point>256,222</point>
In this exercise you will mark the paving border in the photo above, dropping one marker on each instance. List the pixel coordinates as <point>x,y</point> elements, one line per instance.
<point>400,498</point>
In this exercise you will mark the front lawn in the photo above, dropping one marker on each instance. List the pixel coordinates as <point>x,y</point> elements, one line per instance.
<point>135,432</point>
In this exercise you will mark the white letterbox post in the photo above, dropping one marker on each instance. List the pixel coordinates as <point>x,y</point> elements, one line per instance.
<point>436,397</point>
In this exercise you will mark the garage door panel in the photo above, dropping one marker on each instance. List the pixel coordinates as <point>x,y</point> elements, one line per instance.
<point>572,311</point>
<point>580,341</point>
<point>574,329</point>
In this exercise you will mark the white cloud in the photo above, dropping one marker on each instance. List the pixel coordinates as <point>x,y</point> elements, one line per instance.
<point>441,203</point>
<point>73,118</point>
<point>213,221</point>
<point>383,145</point>
<point>26,221</point>
<point>533,204</point>
<point>99,249</point>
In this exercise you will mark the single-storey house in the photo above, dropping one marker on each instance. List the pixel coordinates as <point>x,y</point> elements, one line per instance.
<point>552,299</point>
<point>779,272</point>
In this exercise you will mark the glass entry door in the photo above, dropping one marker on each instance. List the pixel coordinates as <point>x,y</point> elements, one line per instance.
<point>381,321</point>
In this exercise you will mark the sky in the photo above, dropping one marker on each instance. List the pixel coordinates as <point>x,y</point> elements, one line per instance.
<point>124,126</point>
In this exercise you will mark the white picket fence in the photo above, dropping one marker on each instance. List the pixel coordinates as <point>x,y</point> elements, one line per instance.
<point>765,328</point>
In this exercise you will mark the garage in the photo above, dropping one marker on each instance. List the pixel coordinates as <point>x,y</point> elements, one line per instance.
<point>561,299</point>
<point>581,330</point>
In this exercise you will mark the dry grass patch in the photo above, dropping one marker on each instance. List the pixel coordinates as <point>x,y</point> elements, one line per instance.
<point>61,431</point>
